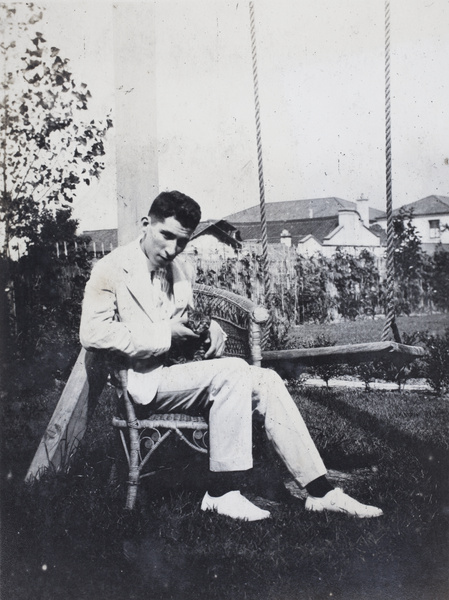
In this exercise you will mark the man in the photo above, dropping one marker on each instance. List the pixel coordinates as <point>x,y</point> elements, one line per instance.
<point>135,302</point>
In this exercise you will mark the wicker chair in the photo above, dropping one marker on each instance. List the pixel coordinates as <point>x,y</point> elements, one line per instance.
<point>140,438</point>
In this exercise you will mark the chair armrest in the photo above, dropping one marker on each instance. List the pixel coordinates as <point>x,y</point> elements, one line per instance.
<point>238,316</point>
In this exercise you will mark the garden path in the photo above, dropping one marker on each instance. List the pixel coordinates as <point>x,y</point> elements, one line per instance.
<point>417,385</point>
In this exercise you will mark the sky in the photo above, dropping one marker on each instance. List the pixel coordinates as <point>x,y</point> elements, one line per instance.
<point>321,91</point>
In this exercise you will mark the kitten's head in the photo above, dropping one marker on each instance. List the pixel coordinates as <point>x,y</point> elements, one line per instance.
<point>198,321</point>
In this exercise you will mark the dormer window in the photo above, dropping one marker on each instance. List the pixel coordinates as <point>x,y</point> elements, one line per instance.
<point>434,229</point>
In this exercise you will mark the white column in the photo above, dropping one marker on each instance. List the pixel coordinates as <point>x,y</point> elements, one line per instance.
<point>135,115</point>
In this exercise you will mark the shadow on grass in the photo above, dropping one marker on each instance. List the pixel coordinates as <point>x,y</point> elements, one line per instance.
<point>68,537</point>
<point>431,451</point>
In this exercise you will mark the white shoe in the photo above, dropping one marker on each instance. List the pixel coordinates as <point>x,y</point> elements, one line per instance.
<point>337,501</point>
<point>234,505</point>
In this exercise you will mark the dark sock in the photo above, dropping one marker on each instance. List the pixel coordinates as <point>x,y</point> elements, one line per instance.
<point>222,482</point>
<point>319,487</point>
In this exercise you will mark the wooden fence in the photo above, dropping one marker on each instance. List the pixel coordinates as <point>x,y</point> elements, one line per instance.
<point>97,250</point>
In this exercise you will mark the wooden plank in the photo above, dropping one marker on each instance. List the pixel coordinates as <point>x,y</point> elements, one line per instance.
<point>291,363</point>
<point>71,415</point>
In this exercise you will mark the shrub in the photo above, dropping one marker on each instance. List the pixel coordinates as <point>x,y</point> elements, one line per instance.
<point>397,372</point>
<point>279,337</point>
<point>440,280</point>
<point>325,371</point>
<point>436,361</point>
<point>367,372</point>
<point>48,288</point>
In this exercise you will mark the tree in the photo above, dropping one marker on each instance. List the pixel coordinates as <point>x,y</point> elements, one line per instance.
<point>357,280</point>
<point>410,263</point>
<point>313,277</point>
<point>47,149</point>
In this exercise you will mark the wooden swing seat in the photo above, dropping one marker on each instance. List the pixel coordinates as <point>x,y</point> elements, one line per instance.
<point>291,363</point>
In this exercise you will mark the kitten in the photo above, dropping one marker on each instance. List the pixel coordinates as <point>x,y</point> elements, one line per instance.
<point>193,349</point>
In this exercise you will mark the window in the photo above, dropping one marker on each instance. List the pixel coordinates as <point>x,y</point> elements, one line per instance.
<point>434,228</point>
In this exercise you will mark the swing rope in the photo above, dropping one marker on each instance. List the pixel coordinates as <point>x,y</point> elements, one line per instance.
<point>390,319</point>
<point>263,214</point>
<point>390,322</point>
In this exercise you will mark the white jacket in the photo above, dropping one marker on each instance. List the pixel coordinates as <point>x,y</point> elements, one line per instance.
<point>120,309</point>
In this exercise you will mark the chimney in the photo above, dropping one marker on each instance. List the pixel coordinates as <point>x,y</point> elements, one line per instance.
<point>286,238</point>
<point>347,218</point>
<point>363,209</point>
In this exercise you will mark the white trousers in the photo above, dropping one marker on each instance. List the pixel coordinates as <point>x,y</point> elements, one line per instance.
<point>229,389</point>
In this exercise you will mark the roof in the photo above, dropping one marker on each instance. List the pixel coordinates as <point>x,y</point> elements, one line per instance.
<point>298,210</point>
<point>430,205</point>
<point>319,228</point>
<point>224,231</point>
<point>221,224</point>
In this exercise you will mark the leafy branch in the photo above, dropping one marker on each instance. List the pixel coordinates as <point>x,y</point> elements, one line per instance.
<point>48,147</point>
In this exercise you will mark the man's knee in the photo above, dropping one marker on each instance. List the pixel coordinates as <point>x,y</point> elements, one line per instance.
<point>233,372</point>
<point>270,378</point>
<point>268,389</point>
<point>233,363</point>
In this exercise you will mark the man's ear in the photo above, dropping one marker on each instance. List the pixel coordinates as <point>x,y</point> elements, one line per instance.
<point>145,221</point>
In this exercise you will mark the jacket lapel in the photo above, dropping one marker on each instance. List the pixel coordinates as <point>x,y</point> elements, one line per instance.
<point>137,279</point>
<point>138,282</point>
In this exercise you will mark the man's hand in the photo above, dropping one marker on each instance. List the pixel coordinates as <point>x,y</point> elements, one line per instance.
<point>179,331</point>
<point>217,341</point>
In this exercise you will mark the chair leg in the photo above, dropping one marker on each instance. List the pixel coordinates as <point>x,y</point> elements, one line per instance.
<point>132,493</point>
<point>137,462</point>
<point>134,471</point>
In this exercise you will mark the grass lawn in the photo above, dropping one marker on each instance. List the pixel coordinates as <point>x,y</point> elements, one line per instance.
<point>369,330</point>
<point>67,536</point>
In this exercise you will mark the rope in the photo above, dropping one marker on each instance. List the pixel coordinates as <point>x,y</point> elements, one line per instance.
<point>263,215</point>
<point>390,320</point>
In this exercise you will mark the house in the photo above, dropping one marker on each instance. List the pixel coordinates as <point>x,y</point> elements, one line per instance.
<point>430,216</point>
<point>315,225</point>
<point>215,239</point>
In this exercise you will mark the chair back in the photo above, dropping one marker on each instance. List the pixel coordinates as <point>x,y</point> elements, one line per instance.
<point>236,316</point>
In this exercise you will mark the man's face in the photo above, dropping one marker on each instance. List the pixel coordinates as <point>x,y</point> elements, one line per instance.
<point>162,241</point>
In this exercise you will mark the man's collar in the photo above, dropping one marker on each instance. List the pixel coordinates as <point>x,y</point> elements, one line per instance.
<point>150,270</point>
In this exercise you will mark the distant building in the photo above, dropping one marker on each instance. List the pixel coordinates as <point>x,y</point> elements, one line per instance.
<point>431,218</point>
<point>215,238</point>
<point>316,225</point>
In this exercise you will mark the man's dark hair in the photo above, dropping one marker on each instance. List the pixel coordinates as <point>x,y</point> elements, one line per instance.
<point>174,204</point>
